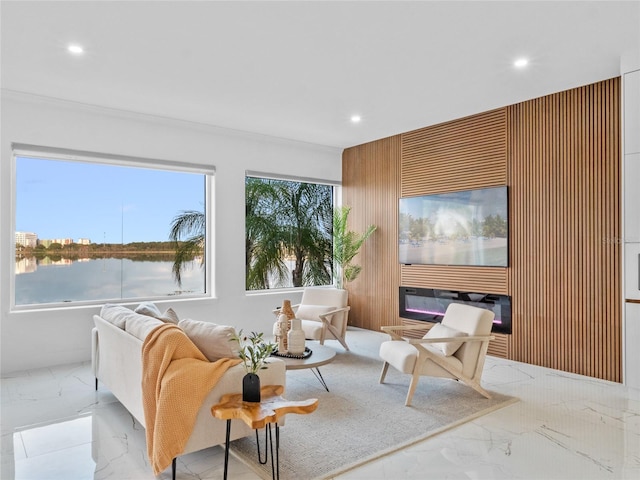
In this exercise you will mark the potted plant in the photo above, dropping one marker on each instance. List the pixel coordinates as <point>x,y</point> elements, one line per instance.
<point>346,244</point>
<point>253,351</point>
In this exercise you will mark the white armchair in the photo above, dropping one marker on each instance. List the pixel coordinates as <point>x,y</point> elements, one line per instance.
<point>323,313</point>
<point>455,348</point>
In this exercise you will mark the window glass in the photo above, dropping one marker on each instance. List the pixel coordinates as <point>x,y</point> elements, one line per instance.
<point>92,231</point>
<point>288,229</point>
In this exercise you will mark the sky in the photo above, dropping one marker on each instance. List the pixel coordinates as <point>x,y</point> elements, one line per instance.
<point>104,203</point>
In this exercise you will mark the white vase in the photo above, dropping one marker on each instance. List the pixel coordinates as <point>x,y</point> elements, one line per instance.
<point>295,337</point>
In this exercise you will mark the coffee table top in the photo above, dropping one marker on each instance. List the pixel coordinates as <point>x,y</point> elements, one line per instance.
<point>320,355</point>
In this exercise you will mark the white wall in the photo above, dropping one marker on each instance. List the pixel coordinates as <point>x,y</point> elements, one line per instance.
<point>33,339</point>
<point>631,221</point>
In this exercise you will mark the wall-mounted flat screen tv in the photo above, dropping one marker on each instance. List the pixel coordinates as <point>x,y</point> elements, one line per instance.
<point>459,228</point>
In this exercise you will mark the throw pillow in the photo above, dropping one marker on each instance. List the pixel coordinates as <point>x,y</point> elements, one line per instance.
<point>214,341</point>
<point>116,314</point>
<point>312,312</point>
<point>141,325</point>
<point>169,316</point>
<point>442,331</point>
<point>151,310</point>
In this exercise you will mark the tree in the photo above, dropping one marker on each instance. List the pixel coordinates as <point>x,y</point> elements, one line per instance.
<point>263,246</point>
<point>287,219</point>
<point>188,234</point>
<point>306,212</point>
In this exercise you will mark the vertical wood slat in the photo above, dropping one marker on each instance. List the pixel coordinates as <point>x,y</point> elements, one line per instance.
<point>370,181</point>
<point>564,158</point>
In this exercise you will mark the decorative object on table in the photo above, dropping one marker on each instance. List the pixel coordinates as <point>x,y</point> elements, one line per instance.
<point>295,337</point>
<point>281,330</point>
<point>287,310</point>
<point>300,356</point>
<point>253,351</point>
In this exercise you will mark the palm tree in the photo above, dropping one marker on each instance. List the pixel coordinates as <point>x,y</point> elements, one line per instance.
<point>263,243</point>
<point>285,218</point>
<point>306,217</point>
<point>188,234</point>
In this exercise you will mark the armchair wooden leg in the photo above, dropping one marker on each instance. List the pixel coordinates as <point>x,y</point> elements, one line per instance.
<point>412,388</point>
<point>335,334</point>
<point>476,386</point>
<point>383,374</point>
<point>344,344</point>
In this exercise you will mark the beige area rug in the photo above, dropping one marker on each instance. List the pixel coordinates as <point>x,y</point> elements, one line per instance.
<point>360,419</point>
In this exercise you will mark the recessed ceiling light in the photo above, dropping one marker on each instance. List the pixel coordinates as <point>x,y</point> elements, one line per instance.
<point>521,63</point>
<point>75,49</point>
<point>356,118</point>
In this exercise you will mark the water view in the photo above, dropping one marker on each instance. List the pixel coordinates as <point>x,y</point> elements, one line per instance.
<point>59,279</point>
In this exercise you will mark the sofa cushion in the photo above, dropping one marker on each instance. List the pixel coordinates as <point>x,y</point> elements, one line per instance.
<point>313,312</point>
<point>442,331</point>
<point>116,314</point>
<point>214,341</point>
<point>140,325</point>
<point>151,310</point>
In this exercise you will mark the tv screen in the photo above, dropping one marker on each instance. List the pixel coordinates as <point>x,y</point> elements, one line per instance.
<point>460,228</point>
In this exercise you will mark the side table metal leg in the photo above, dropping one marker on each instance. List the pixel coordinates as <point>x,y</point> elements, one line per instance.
<point>273,467</point>
<point>277,452</point>
<point>226,449</point>
<point>266,447</point>
<point>316,372</point>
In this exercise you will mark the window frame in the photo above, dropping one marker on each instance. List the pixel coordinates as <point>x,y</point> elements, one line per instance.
<point>337,201</point>
<point>68,155</point>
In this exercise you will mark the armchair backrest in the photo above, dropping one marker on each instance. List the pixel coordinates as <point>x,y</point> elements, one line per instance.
<point>331,297</point>
<point>472,321</point>
<point>334,297</point>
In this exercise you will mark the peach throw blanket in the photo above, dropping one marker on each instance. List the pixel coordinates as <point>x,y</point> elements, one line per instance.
<point>176,378</point>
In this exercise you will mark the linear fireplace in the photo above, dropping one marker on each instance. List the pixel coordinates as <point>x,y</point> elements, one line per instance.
<point>429,305</point>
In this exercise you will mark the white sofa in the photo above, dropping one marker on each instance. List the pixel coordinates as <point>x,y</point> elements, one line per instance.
<point>117,363</point>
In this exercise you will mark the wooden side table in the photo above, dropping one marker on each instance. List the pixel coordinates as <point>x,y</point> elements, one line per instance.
<point>261,414</point>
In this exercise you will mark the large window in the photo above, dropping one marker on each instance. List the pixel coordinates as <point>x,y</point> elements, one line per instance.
<point>91,228</point>
<point>288,233</point>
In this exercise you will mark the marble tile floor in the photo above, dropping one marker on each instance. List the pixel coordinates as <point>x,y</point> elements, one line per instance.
<point>54,425</point>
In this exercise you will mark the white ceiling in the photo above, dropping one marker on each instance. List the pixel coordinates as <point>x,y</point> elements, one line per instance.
<point>299,70</point>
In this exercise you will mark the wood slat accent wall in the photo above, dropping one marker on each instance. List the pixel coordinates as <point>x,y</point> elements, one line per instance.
<point>560,156</point>
<point>501,346</point>
<point>370,181</point>
<point>565,225</point>
<point>471,279</point>
<point>458,155</point>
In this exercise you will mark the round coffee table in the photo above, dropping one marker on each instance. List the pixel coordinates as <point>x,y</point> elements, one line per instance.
<point>320,355</point>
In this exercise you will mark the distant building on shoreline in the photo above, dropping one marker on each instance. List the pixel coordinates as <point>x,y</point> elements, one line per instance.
<point>30,239</point>
<point>26,239</point>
